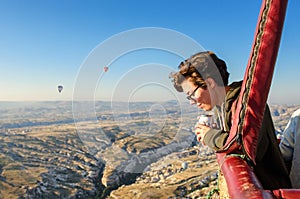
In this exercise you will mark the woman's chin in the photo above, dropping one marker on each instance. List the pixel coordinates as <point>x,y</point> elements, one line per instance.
<point>205,108</point>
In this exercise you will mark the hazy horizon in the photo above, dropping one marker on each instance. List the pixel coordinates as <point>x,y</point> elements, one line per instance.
<point>152,101</point>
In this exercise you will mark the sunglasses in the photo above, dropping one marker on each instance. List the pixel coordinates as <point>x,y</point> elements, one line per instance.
<point>191,96</point>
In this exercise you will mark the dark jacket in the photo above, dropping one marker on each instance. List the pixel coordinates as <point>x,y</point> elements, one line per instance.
<point>269,168</point>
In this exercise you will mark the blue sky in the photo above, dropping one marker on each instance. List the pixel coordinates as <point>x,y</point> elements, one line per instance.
<point>45,43</point>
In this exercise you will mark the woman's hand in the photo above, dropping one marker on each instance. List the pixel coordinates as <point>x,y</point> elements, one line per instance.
<point>200,131</point>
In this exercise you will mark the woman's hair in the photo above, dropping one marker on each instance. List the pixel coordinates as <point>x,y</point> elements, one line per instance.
<point>198,68</point>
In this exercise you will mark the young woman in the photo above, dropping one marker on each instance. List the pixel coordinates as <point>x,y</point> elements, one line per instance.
<point>204,78</point>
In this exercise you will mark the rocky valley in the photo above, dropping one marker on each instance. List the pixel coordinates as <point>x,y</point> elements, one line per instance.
<point>137,150</point>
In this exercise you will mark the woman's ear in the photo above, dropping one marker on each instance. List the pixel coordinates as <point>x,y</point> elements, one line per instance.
<point>210,82</point>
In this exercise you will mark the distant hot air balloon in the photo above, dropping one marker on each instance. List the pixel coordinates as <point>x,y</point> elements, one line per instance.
<point>59,87</point>
<point>105,68</point>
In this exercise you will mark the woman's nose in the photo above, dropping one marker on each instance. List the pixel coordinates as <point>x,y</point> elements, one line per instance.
<point>192,102</point>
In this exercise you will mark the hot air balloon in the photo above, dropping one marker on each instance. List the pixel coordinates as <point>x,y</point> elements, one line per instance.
<point>105,68</point>
<point>59,87</point>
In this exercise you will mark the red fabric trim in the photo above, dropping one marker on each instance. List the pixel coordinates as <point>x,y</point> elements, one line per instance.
<point>240,179</point>
<point>262,75</point>
<point>251,104</point>
<point>287,193</point>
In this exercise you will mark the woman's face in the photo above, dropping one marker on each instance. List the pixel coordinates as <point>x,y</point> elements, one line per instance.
<point>198,95</point>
